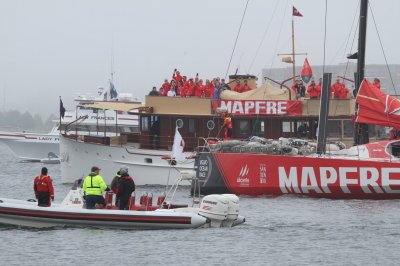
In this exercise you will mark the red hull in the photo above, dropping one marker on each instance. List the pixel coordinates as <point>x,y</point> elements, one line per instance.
<point>263,174</point>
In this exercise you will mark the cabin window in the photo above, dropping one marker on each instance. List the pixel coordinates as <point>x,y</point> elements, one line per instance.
<point>244,127</point>
<point>259,127</point>
<point>348,129</point>
<point>287,129</point>
<point>192,126</point>
<point>334,129</point>
<point>145,123</point>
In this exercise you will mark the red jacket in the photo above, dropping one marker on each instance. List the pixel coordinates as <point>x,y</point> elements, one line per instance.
<point>166,86</point>
<point>377,84</point>
<point>177,78</point>
<point>246,88</point>
<point>336,88</point>
<point>43,183</point>
<point>342,94</point>
<point>314,91</point>
<point>238,88</point>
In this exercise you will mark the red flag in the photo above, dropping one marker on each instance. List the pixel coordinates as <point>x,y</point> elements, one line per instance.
<point>296,13</point>
<point>306,72</point>
<point>376,107</point>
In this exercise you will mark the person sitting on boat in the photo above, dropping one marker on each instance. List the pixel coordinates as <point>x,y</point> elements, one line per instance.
<point>227,126</point>
<point>115,186</point>
<point>126,186</point>
<point>314,90</point>
<point>377,83</point>
<point>43,187</point>
<point>93,188</point>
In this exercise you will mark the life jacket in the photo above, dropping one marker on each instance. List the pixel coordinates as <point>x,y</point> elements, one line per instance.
<point>94,185</point>
<point>43,183</point>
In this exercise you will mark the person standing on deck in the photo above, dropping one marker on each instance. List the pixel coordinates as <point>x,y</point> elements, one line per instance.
<point>227,126</point>
<point>93,188</point>
<point>126,186</point>
<point>43,187</point>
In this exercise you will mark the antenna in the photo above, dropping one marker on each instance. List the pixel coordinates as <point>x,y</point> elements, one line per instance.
<point>112,72</point>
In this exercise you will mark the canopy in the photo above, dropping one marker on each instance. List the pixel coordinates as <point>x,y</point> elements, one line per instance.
<point>116,106</point>
<point>264,92</point>
<point>376,107</point>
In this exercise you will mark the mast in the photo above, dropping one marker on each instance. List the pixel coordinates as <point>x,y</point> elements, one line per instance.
<point>361,130</point>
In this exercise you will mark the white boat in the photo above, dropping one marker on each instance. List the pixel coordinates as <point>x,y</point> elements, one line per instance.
<point>147,166</point>
<point>44,147</point>
<point>213,211</point>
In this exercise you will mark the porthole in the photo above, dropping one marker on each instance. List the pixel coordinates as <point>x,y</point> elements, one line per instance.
<point>179,123</point>
<point>210,125</point>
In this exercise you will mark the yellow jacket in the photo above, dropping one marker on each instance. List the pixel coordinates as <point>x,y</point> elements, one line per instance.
<point>94,185</point>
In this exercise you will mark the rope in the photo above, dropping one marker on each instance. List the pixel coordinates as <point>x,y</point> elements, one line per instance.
<point>237,37</point>
<point>264,35</point>
<point>277,40</point>
<point>383,50</point>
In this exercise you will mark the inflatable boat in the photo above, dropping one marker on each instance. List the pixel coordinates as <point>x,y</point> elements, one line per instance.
<point>213,211</point>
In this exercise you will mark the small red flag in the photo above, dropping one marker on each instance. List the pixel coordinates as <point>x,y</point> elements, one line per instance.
<point>306,72</point>
<point>296,13</point>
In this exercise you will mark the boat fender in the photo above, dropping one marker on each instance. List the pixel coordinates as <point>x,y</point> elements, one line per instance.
<point>31,200</point>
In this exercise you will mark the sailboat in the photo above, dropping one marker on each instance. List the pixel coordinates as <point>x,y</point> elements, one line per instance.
<point>365,171</point>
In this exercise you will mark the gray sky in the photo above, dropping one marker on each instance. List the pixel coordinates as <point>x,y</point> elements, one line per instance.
<point>51,48</point>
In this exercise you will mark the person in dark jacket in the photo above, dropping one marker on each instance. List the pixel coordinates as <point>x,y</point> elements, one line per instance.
<point>115,186</point>
<point>125,188</point>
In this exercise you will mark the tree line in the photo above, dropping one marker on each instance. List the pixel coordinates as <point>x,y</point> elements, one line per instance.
<point>13,120</point>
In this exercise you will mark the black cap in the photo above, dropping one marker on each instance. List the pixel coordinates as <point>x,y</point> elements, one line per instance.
<point>95,168</point>
<point>44,171</point>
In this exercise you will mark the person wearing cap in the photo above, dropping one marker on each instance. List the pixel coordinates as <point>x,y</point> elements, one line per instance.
<point>126,186</point>
<point>115,186</point>
<point>93,188</point>
<point>43,187</point>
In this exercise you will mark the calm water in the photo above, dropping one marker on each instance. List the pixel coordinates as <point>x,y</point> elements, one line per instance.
<point>279,231</point>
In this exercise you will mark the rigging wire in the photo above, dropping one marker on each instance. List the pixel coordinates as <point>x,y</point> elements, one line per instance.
<point>346,42</point>
<point>383,50</point>
<point>277,40</point>
<point>264,35</point>
<point>237,37</point>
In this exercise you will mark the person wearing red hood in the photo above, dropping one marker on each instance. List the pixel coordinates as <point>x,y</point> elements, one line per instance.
<point>314,90</point>
<point>126,186</point>
<point>209,88</point>
<point>43,187</point>
<point>336,88</point>
<point>177,77</point>
<point>166,86</point>
<point>343,92</point>
<point>377,83</point>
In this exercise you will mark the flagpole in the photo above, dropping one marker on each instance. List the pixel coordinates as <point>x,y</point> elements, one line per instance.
<point>293,53</point>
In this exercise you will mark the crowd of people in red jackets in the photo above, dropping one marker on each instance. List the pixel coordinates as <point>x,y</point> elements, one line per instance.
<point>182,86</point>
<point>338,89</point>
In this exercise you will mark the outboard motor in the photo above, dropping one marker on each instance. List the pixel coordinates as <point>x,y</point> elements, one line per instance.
<point>233,210</point>
<point>215,208</point>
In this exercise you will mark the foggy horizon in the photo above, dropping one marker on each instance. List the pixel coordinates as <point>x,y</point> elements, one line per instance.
<point>65,48</point>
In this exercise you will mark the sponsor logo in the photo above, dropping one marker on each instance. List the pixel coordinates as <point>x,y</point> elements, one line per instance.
<point>263,173</point>
<point>242,179</point>
<point>322,180</point>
